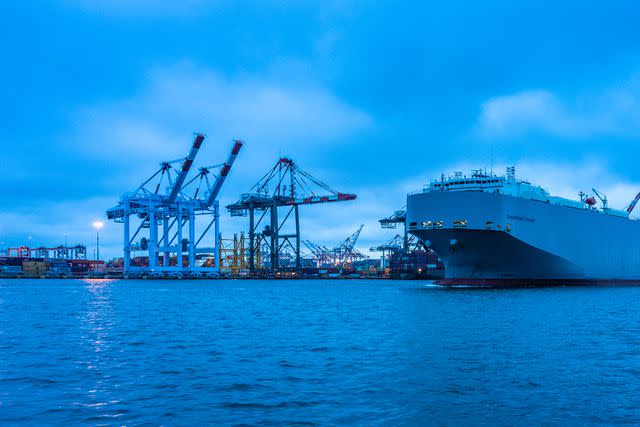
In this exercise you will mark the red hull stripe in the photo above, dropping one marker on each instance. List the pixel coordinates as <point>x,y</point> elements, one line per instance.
<point>524,283</point>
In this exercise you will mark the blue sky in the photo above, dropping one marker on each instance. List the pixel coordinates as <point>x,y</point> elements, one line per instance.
<point>373,97</point>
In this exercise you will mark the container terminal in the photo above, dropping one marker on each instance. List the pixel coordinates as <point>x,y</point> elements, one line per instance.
<point>171,229</point>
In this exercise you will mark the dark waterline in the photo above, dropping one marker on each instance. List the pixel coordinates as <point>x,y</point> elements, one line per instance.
<point>316,352</point>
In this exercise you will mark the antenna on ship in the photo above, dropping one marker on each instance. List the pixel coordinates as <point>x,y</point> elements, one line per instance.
<point>491,161</point>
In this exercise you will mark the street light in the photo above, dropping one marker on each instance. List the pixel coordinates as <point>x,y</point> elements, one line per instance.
<point>98,225</point>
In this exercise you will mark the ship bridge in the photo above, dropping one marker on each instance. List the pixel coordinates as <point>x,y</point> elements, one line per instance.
<point>480,180</point>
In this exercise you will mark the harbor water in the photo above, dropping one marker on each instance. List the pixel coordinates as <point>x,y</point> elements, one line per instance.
<point>289,352</point>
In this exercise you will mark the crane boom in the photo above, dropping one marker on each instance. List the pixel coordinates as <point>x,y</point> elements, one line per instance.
<point>224,172</point>
<point>354,238</point>
<point>602,198</point>
<point>350,242</point>
<point>186,166</point>
<point>315,250</point>
<point>633,204</point>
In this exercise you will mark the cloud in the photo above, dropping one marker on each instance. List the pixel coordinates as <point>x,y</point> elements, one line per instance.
<point>522,112</point>
<point>611,112</point>
<point>149,9</point>
<point>143,8</point>
<point>178,99</point>
<point>52,221</point>
<point>568,180</point>
<point>271,113</point>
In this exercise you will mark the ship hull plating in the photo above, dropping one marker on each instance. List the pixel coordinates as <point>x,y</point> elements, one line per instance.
<point>485,254</point>
<point>488,239</point>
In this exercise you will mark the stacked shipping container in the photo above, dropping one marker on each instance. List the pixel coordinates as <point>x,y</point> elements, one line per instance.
<point>37,267</point>
<point>415,264</point>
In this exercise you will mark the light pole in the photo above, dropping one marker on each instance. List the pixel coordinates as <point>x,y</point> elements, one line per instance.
<point>98,225</point>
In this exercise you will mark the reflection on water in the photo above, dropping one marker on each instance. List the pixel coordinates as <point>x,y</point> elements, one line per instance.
<point>97,324</point>
<point>315,352</point>
<point>99,315</point>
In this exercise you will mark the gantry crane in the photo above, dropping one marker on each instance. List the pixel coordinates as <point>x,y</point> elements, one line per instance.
<point>320,253</point>
<point>284,187</point>
<point>162,215</point>
<point>400,243</point>
<point>57,252</point>
<point>346,252</point>
<point>398,217</point>
<point>341,254</point>
<point>397,244</point>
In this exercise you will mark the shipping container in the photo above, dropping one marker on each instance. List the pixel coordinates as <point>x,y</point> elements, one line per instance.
<point>12,269</point>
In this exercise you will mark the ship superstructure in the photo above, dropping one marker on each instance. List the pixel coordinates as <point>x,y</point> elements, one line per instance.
<point>496,228</point>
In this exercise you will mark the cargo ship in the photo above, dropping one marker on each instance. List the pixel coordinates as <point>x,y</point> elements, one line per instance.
<point>496,231</point>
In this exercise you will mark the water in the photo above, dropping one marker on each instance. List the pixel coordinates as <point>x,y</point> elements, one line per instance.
<point>316,352</point>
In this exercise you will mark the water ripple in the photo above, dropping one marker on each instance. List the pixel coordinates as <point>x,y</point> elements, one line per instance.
<point>316,353</point>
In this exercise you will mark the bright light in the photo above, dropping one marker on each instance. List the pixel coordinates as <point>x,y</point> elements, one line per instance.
<point>98,225</point>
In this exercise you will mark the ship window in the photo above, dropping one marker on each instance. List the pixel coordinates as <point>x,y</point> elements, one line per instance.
<point>413,224</point>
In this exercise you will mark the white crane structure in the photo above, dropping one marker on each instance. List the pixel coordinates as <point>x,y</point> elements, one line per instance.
<point>166,208</point>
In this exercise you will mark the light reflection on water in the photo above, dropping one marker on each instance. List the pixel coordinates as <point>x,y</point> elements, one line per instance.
<point>97,337</point>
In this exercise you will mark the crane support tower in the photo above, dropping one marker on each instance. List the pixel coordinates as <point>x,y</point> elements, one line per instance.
<point>409,242</point>
<point>283,189</point>
<point>398,217</point>
<point>174,216</point>
<point>393,246</point>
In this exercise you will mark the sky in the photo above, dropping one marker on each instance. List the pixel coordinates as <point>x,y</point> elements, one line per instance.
<point>374,98</point>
